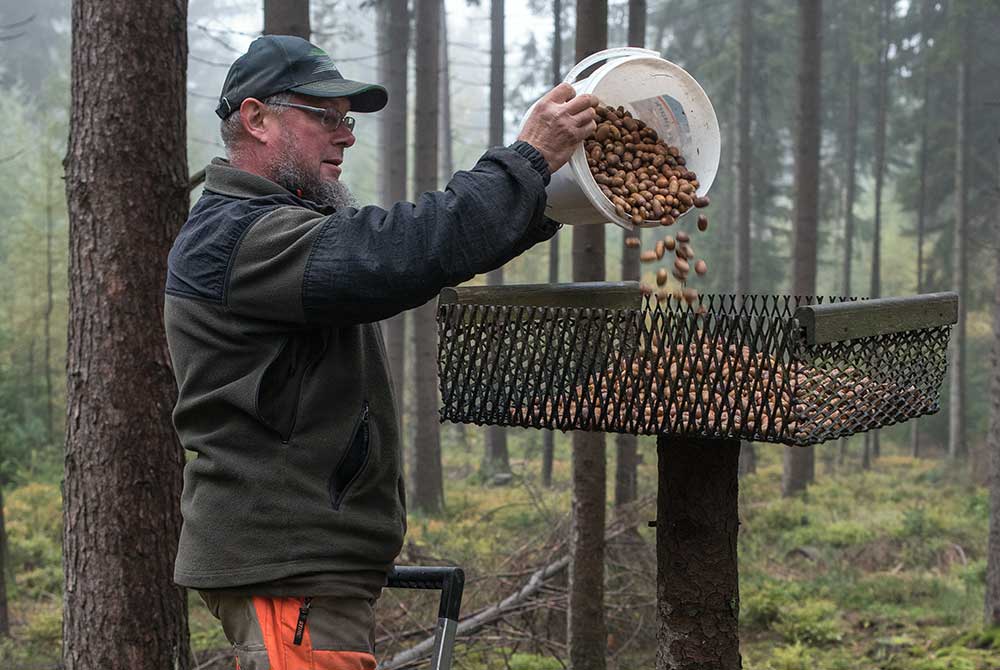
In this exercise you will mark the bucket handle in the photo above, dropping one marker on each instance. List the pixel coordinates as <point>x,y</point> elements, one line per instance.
<point>607,54</point>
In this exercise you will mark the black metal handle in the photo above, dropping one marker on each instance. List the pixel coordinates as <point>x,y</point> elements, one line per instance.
<point>449,580</point>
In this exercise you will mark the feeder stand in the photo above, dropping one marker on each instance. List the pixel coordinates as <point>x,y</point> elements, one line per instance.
<point>785,369</point>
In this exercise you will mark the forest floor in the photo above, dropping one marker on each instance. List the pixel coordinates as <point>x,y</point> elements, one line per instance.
<point>869,569</point>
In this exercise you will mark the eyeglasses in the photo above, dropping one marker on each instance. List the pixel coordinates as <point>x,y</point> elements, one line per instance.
<point>330,118</point>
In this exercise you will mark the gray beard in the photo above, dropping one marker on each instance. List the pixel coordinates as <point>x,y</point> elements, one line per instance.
<point>289,174</point>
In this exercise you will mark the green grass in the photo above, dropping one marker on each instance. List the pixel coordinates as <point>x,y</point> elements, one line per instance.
<point>880,569</point>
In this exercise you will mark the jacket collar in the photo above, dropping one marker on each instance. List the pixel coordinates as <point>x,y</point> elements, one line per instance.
<point>222,178</point>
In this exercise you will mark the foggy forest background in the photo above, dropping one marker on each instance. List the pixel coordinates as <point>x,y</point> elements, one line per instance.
<point>883,556</point>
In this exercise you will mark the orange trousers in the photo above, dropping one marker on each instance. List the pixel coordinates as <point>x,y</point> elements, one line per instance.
<point>286,633</point>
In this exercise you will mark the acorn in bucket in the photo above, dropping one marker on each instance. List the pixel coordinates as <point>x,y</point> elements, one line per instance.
<point>646,179</point>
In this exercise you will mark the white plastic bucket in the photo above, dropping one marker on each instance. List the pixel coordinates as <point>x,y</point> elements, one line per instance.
<point>666,98</point>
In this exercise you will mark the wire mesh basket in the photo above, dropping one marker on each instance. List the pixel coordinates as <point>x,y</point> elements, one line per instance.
<point>601,357</point>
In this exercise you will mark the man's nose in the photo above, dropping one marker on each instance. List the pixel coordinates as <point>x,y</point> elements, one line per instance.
<point>343,136</point>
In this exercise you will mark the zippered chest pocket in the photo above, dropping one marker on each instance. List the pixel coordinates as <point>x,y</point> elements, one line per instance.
<point>353,462</point>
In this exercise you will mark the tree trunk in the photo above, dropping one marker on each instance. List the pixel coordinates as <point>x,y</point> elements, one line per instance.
<point>428,487</point>
<point>992,604</point>
<point>850,188</point>
<point>881,106</point>
<point>587,629</point>
<point>447,166</point>
<point>925,26</point>
<point>394,44</point>
<point>697,580</point>
<point>287,17</point>
<point>49,304</point>
<point>956,364</point>
<point>744,161</point>
<point>123,463</point>
<point>799,462</point>
<point>626,460</point>
<point>496,459</point>
<point>549,436</point>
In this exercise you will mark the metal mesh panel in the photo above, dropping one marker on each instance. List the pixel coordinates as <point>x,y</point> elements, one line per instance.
<point>728,367</point>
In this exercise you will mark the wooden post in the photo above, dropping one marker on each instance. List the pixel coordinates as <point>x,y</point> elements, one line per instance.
<point>697,580</point>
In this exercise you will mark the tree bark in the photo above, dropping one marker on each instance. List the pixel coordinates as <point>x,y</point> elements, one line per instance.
<point>549,436</point>
<point>496,459</point>
<point>925,26</point>
<point>49,305</point>
<point>123,463</point>
<point>626,460</point>
<point>428,487</point>
<point>447,162</point>
<point>850,188</point>
<point>799,462</point>
<point>697,581</point>
<point>587,629</point>
<point>991,611</point>
<point>744,161</point>
<point>394,44</point>
<point>956,365</point>
<point>287,17</point>
<point>881,105</point>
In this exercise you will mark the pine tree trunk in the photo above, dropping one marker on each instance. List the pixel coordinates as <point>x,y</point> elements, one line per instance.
<point>625,444</point>
<point>697,581</point>
<point>49,305</point>
<point>850,188</point>
<point>287,17</point>
<point>447,162</point>
<point>496,459</point>
<point>428,487</point>
<point>956,364</point>
<point>744,161</point>
<point>549,436</point>
<point>925,26</point>
<point>992,602</point>
<point>123,463</point>
<point>882,111</point>
<point>799,462</point>
<point>587,630</point>
<point>393,33</point>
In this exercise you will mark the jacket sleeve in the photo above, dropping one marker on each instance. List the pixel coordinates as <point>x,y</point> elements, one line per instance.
<point>365,265</point>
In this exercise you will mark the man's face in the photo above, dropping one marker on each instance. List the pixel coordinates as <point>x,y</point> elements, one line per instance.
<point>307,155</point>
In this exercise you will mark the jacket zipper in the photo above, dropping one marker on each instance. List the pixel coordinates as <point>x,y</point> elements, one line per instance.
<point>360,425</point>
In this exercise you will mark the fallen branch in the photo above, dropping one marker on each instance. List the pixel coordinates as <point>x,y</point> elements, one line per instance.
<point>622,524</point>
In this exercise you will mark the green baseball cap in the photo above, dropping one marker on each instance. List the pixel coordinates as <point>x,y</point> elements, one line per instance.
<point>277,63</point>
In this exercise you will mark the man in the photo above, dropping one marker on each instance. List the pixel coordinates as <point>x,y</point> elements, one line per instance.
<point>294,508</point>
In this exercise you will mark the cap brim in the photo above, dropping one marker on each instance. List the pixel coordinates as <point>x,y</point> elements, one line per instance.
<point>364,97</point>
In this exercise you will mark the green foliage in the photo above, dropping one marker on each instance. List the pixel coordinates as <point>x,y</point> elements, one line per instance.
<point>33,516</point>
<point>520,661</point>
<point>762,603</point>
<point>37,643</point>
<point>792,657</point>
<point>813,622</point>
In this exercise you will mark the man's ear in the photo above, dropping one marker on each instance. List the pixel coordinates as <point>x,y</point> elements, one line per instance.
<point>255,119</point>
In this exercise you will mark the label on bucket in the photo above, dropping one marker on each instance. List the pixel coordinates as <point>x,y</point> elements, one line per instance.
<point>666,114</point>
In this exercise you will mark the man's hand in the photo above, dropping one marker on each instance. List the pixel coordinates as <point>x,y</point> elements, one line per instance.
<point>559,122</point>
